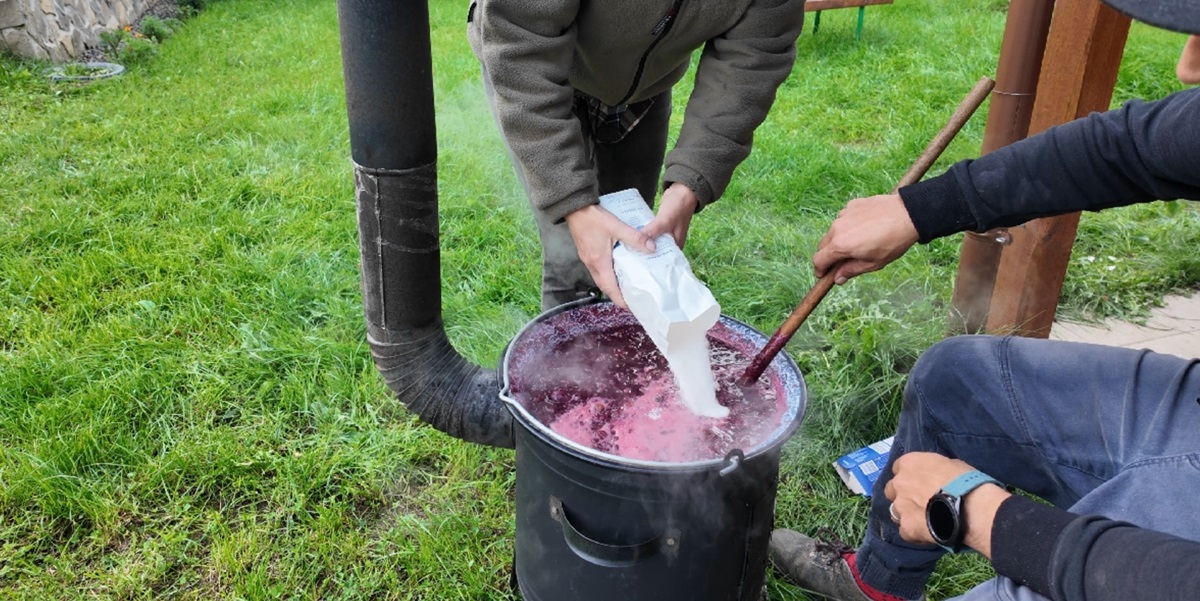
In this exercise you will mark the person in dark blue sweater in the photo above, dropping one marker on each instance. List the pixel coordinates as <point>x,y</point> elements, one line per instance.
<point>1109,437</point>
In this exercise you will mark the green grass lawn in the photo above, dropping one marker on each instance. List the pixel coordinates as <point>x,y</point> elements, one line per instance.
<point>188,408</point>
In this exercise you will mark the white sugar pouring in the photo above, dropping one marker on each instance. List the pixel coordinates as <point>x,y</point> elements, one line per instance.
<point>675,308</point>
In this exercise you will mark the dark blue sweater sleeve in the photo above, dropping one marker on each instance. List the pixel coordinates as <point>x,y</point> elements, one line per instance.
<point>1141,152</point>
<point>1067,557</point>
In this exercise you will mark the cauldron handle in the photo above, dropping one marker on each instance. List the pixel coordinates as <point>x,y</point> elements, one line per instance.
<point>612,556</point>
<point>733,460</point>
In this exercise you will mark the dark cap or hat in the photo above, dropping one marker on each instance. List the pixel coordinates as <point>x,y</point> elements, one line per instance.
<point>1177,15</point>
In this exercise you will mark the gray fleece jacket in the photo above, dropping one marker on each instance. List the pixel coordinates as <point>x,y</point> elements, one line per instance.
<point>537,53</point>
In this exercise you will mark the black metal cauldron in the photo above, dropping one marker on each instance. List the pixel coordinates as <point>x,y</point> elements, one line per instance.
<point>595,526</point>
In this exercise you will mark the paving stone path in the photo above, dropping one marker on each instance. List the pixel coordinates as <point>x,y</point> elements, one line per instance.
<point>1173,328</point>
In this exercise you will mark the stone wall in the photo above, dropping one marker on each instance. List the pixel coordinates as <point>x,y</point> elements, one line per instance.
<point>61,30</point>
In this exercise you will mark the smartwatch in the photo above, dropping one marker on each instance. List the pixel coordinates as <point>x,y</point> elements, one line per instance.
<point>944,511</point>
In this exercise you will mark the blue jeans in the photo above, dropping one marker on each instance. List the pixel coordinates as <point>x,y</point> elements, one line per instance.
<point>1092,429</point>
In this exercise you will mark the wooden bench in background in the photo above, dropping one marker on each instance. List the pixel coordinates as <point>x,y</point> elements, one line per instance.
<point>816,6</point>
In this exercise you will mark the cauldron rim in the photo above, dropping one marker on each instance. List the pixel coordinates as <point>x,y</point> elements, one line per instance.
<point>793,382</point>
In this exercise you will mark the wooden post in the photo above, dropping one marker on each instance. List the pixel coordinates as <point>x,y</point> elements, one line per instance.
<point>1017,70</point>
<point>1079,71</point>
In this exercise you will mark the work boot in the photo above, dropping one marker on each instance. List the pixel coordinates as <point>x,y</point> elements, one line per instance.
<point>826,569</point>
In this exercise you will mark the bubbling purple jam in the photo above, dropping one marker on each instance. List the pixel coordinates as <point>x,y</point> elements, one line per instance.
<point>608,388</point>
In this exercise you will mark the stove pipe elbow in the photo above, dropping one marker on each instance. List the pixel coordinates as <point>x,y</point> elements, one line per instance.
<point>387,66</point>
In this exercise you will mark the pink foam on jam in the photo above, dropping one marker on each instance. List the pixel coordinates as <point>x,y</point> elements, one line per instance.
<point>608,388</point>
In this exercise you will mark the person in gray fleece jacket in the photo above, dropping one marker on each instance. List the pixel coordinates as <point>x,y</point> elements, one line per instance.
<point>582,95</point>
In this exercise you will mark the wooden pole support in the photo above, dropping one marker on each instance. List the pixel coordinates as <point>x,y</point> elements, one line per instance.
<point>1079,72</point>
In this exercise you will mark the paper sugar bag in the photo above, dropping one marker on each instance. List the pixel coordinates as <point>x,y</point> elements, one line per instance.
<point>674,307</point>
<point>659,287</point>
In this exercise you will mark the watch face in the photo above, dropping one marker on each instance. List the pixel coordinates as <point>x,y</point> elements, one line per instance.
<point>941,515</point>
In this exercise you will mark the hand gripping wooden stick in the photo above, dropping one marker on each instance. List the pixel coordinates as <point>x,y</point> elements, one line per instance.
<point>825,283</point>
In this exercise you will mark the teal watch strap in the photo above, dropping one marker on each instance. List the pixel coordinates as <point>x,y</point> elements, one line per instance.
<point>949,513</point>
<point>968,482</point>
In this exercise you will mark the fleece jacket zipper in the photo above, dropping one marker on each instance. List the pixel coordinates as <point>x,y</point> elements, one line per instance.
<point>660,31</point>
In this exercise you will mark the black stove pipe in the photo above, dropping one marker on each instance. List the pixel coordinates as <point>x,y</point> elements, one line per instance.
<point>387,67</point>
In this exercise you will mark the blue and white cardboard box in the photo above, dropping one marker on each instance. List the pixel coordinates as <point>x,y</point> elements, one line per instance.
<point>860,469</point>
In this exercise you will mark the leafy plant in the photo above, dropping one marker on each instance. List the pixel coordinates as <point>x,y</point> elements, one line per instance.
<point>154,28</point>
<point>112,40</point>
<point>17,79</point>
<point>82,70</point>
<point>137,51</point>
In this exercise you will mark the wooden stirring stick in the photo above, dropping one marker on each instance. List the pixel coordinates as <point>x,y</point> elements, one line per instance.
<point>825,283</point>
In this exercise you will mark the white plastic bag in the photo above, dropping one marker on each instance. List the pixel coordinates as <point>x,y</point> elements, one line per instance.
<point>674,307</point>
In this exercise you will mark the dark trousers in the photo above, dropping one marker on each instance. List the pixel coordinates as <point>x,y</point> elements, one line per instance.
<point>633,161</point>
<point>1092,429</point>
